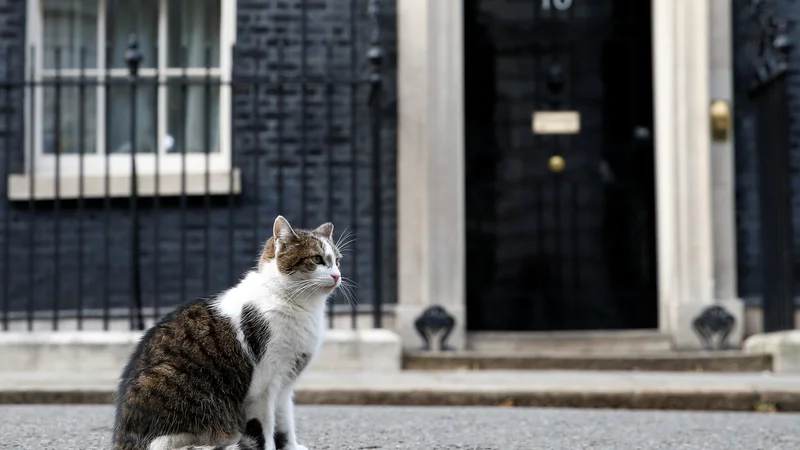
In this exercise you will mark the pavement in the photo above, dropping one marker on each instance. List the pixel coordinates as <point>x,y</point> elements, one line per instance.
<point>88,427</point>
<point>575,389</point>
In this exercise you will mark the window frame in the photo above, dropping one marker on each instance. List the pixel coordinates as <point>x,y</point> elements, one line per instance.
<point>100,163</point>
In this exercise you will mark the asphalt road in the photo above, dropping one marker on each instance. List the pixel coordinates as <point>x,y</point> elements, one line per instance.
<point>379,428</point>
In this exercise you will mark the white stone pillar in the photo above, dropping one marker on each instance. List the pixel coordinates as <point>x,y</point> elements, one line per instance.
<point>683,172</point>
<point>722,170</point>
<point>430,159</point>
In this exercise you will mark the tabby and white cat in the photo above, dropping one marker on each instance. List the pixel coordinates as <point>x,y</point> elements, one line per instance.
<point>219,373</point>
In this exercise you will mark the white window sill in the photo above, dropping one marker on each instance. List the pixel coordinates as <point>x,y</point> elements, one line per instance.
<point>94,186</point>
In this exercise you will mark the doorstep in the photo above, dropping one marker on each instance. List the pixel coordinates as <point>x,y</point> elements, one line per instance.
<point>697,361</point>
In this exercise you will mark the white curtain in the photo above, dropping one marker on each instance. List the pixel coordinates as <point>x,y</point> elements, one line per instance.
<point>194,30</point>
<point>126,17</point>
<point>69,29</point>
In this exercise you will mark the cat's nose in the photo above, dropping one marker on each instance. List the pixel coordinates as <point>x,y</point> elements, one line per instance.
<point>335,278</point>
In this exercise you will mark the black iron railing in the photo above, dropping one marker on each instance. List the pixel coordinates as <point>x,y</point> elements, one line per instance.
<point>111,215</point>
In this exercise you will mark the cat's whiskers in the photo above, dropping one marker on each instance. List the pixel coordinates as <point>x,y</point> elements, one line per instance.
<point>345,239</point>
<point>348,297</point>
<point>350,281</point>
<point>303,287</point>
<point>344,245</point>
<point>348,291</point>
<point>299,288</point>
<point>345,234</point>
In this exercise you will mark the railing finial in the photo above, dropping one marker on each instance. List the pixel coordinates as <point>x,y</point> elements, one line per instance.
<point>133,57</point>
<point>375,52</point>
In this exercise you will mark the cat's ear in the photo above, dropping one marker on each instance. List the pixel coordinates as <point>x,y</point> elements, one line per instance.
<point>326,229</point>
<point>282,231</point>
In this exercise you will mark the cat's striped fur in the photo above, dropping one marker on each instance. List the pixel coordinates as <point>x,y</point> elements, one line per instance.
<point>219,373</point>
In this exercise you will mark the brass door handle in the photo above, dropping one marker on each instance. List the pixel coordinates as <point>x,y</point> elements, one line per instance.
<point>556,164</point>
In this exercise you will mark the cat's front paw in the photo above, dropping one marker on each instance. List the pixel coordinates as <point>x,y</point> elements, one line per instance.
<point>295,447</point>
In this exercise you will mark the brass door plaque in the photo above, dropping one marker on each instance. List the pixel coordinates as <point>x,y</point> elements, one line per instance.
<point>556,122</point>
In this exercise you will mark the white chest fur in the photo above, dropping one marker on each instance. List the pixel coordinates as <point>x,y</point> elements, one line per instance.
<point>294,340</point>
<point>295,331</point>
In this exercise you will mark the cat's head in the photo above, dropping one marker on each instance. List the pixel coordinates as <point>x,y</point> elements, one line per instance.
<point>306,261</point>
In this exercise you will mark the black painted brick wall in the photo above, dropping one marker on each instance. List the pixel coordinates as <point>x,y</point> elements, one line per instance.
<point>12,39</point>
<point>747,204</point>
<point>56,237</point>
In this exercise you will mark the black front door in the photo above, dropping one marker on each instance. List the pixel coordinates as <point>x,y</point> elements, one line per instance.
<point>560,227</point>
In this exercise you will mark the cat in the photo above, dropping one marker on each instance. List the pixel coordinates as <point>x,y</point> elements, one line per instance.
<point>219,373</point>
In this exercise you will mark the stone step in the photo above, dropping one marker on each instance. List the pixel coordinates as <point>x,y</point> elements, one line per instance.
<point>718,361</point>
<point>573,342</point>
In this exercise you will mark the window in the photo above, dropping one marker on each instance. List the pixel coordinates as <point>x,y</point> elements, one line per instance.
<point>83,103</point>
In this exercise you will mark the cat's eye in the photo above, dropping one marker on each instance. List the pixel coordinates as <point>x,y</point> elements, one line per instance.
<point>338,262</point>
<point>317,259</point>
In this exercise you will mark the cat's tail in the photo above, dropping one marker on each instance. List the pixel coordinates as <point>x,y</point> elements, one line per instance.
<point>252,439</point>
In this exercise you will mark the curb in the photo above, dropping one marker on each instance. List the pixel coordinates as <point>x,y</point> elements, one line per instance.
<point>783,401</point>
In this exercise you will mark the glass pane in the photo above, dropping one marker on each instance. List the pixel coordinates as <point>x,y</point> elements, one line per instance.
<point>70,105</point>
<point>193,118</point>
<point>69,27</point>
<point>132,16</point>
<point>119,118</point>
<point>194,33</point>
